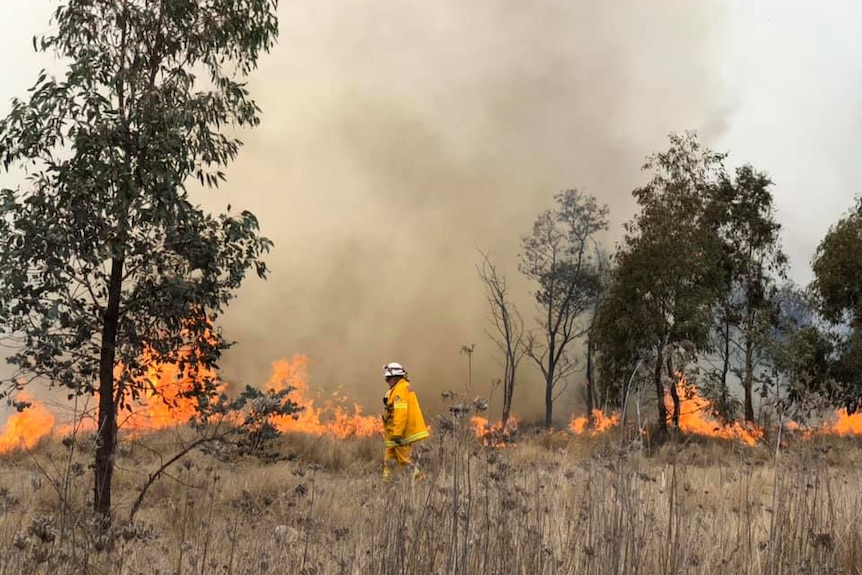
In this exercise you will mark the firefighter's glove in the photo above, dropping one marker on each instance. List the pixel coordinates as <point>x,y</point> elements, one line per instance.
<point>399,441</point>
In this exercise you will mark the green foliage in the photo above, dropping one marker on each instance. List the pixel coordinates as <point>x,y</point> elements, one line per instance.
<point>846,371</point>
<point>838,287</point>
<point>251,413</point>
<point>665,277</point>
<point>752,260</point>
<point>796,380</point>
<point>104,257</point>
<point>804,360</point>
<point>109,149</point>
<point>723,405</point>
<point>838,269</point>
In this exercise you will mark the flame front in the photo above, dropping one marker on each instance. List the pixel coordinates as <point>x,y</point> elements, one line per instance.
<point>333,417</point>
<point>164,405</point>
<point>845,424</point>
<point>694,417</point>
<point>601,423</point>
<point>494,435</point>
<point>839,423</point>
<point>26,428</point>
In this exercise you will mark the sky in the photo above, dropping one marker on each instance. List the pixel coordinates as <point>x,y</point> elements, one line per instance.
<point>399,137</point>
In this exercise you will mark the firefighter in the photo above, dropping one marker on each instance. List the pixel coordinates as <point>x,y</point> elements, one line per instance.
<point>403,424</point>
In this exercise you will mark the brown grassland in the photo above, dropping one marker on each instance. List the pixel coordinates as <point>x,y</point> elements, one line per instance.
<point>551,504</point>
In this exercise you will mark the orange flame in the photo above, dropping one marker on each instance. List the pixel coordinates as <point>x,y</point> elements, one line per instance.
<point>494,435</point>
<point>845,424</point>
<point>163,406</point>
<point>838,423</point>
<point>601,423</point>
<point>332,418</point>
<point>694,417</point>
<point>27,427</point>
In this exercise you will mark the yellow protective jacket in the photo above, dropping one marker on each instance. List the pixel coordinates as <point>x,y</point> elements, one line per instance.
<point>403,417</point>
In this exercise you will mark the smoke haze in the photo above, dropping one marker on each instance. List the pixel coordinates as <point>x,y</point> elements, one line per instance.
<point>398,137</point>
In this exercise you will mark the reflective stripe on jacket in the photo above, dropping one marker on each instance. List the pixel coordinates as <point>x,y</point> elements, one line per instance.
<point>403,416</point>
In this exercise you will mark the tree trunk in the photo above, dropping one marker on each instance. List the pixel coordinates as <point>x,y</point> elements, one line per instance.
<point>725,369</point>
<point>508,388</point>
<point>748,380</point>
<point>674,390</point>
<point>106,439</point>
<point>549,388</point>
<point>748,383</point>
<point>591,385</point>
<point>659,392</point>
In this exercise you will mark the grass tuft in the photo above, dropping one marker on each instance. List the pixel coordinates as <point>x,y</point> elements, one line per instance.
<point>552,503</point>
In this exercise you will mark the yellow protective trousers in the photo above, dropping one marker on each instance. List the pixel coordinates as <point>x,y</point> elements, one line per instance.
<point>397,458</point>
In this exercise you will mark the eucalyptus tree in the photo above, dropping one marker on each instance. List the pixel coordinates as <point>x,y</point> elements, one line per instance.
<point>666,273</point>
<point>797,379</point>
<point>105,258</point>
<point>559,258</point>
<point>752,263</point>
<point>838,286</point>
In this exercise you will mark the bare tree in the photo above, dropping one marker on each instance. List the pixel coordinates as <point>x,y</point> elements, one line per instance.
<point>508,328</point>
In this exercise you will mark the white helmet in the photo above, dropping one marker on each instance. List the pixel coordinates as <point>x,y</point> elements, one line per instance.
<point>394,370</point>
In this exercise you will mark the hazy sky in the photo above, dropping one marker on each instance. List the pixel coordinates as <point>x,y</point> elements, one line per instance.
<point>399,135</point>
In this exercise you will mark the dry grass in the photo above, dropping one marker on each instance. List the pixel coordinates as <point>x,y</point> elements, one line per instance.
<point>550,504</point>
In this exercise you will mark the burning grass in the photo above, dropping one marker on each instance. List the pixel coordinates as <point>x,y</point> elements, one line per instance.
<point>164,405</point>
<point>593,498</point>
<point>554,504</point>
